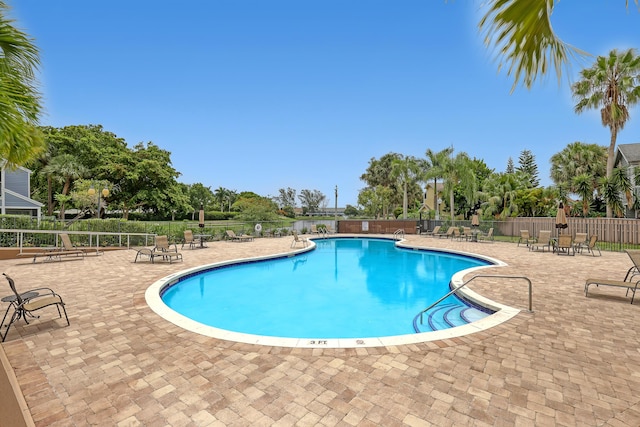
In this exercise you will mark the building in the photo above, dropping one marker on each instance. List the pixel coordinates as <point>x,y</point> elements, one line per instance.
<point>428,204</point>
<point>628,156</point>
<point>15,191</point>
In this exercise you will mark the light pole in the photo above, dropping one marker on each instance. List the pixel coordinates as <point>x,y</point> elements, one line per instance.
<point>92,192</point>
<point>438,209</point>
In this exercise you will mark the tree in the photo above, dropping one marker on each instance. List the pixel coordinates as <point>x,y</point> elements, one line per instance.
<point>521,33</point>
<point>435,163</point>
<point>611,195</point>
<point>583,187</point>
<point>255,208</point>
<point>378,173</point>
<point>311,200</point>
<point>458,174</point>
<point>375,201</point>
<point>144,178</point>
<point>528,166</point>
<point>578,159</point>
<point>612,84</point>
<point>64,169</point>
<point>286,197</point>
<point>351,210</point>
<point>501,191</point>
<point>20,141</point>
<point>199,195</point>
<point>406,170</point>
<point>510,167</point>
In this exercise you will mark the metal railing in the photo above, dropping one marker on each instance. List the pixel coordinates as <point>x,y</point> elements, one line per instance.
<point>398,234</point>
<point>475,277</point>
<point>22,238</point>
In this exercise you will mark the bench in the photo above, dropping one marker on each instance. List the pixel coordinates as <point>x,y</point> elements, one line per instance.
<point>629,286</point>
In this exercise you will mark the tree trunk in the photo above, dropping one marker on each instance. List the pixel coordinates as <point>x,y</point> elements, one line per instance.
<point>404,202</point>
<point>435,195</point>
<point>49,195</point>
<point>453,217</point>
<point>611,161</point>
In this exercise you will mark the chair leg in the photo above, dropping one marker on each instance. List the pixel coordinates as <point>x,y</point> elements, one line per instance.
<point>65,313</point>
<point>5,314</point>
<point>14,317</point>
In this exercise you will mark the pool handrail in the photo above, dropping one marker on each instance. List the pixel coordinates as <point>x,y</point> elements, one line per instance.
<point>398,234</point>
<point>475,277</point>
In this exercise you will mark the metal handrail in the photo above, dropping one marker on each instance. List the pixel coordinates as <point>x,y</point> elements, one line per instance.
<point>475,277</point>
<point>124,238</point>
<point>398,232</point>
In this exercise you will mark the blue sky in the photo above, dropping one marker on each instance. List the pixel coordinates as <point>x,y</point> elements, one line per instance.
<point>258,95</point>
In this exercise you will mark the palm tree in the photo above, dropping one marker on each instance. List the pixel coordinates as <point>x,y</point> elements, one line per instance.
<point>405,170</point>
<point>613,85</point>
<point>521,33</point>
<point>220,196</point>
<point>20,140</point>
<point>65,168</point>
<point>435,161</point>
<point>458,174</point>
<point>583,186</point>
<point>611,195</point>
<point>577,159</point>
<point>501,190</point>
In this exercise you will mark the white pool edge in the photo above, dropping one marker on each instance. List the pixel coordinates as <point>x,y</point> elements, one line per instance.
<point>503,313</point>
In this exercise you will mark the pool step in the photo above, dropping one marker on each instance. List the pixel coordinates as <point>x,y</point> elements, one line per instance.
<point>446,316</point>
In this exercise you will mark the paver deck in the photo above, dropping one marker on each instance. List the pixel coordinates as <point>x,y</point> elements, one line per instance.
<point>574,361</point>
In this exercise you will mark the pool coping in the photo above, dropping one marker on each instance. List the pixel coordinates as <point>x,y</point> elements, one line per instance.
<point>502,313</point>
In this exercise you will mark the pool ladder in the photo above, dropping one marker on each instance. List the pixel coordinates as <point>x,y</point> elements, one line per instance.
<point>398,234</point>
<point>475,277</point>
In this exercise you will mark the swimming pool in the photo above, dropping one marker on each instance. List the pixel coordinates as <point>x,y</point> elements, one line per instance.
<point>364,291</point>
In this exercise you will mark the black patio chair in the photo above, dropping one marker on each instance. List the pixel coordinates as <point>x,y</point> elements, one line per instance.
<point>26,303</point>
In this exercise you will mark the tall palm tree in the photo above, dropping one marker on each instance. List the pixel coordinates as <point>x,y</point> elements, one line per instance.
<point>521,33</point>
<point>20,106</point>
<point>435,162</point>
<point>220,196</point>
<point>405,169</point>
<point>458,174</point>
<point>612,84</point>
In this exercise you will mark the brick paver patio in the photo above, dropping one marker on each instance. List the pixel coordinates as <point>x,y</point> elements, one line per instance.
<point>575,361</point>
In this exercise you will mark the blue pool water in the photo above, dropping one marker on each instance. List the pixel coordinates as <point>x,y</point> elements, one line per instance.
<point>345,288</point>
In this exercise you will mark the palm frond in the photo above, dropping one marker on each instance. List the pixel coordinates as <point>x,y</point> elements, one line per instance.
<point>521,33</point>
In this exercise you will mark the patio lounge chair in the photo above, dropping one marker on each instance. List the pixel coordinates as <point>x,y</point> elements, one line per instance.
<point>564,245</point>
<point>486,237</point>
<point>69,247</point>
<point>298,239</point>
<point>579,240</point>
<point>56,253</point>
<point>164,250</point>
<point>450,233</point>
<point>630,282</point>
<point>591,246</point>
<point>189,240</point>
<point>466,234</point>
<point>39,298</point>
<point>235,238</point>
<point>542,241</point>
<point>435,230</point>
<point>525,237</point>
